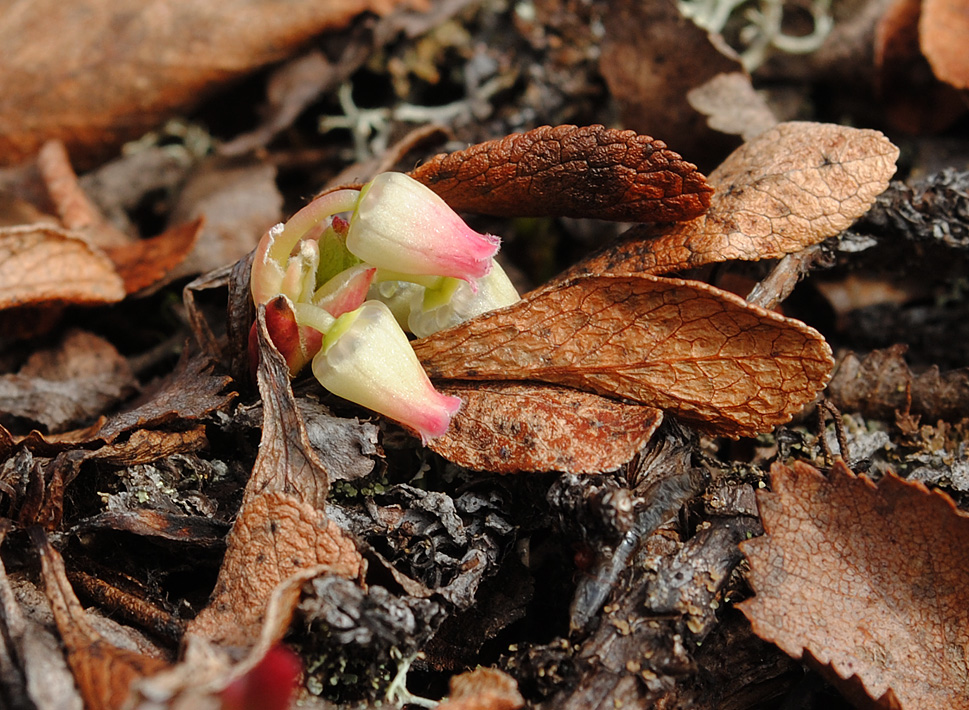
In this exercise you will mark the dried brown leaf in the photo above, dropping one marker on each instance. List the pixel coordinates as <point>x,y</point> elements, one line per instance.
<point>72,383</point>
<point>483,689</point>
<point>701,353</point>
<point>131,68</point>
<point>570,171</point>
<point>943,28</point>
<point>793,186</point>
<point>42,264</point>
<point>868,579</point>
<point>103,672</point>
<point>515,427</point>
<point>275,537</point>
<point>880,384</point>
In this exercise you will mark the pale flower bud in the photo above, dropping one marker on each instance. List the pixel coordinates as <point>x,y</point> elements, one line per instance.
<point>401,224</point>
<point>367,359</point>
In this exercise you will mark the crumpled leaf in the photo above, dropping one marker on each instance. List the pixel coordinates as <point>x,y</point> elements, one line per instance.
<point>131,68</point>
<point>570,171</point>
<point>514,427</point>
<point>688,348</point>
<point>103,671</point>
<point>483,689</point>
<point>281,530</point>
<point>880,384</point>
<point>44,264</point>
<point>870,580</point>
<point>76,381</point>
<point>943,28</point>
<point>792,186</point>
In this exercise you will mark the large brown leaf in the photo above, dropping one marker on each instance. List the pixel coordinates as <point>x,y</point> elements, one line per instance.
<point>570,171</point>
<point>792,186</point>
<point>509,427</point>
<point>689,348</point>
<point>96,73</point>
<point>870,580</point>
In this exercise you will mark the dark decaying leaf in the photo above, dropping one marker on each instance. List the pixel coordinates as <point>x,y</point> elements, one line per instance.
<point>652,56</point>
<point>869,580</point>
<point>685,347</point>
<point>880,384</point>
<point>512,427</point>
<point>103,672</point>
<point>792,186</point>
<point>571,171</point>
<point>73,383</point>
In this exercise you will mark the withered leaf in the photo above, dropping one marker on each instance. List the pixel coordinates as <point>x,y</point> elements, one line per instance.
<point>570,171</point>
<point>287,461</point>
<point>870,580</point>
<point>792,186</point>
<point>483,689</point>
<point>513,427</point>
<point>685,347</point>
<point>43,264</point>
<point>282,529</point>
<point>732,105</point>
<point>103,672</point>
<point>190,392</point>
<point>880,384</point>
<point>275,537</point>
<point>130,69</point>
<point>79,379</point>
<point>943,28</point>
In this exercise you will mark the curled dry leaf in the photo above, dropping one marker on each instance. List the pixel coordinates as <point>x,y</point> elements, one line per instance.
<point>943,28</point>
<point>870,580</point>
<point>130,69</point>
<point>570,171</point>
<point>281,529</point>
<point>103,672</point>
<point>513,427</point>
<point>685,347</point>
<point>792,186</point>
<point>42,264</point>
<point>147,262</point>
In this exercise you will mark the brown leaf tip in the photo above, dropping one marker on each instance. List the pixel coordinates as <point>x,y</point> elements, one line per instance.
<point>571,171</point>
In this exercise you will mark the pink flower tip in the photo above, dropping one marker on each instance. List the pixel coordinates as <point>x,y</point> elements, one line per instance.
<point>366,358</point>
<point>403,225</point>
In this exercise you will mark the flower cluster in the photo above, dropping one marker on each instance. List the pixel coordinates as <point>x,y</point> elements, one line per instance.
<point>341,292</point>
